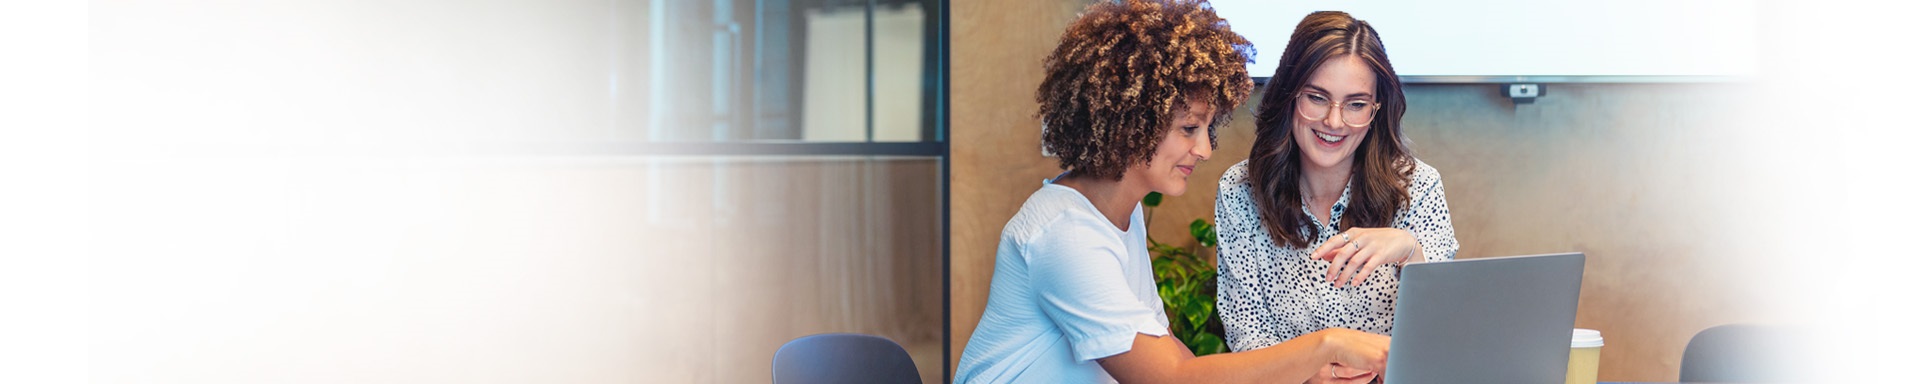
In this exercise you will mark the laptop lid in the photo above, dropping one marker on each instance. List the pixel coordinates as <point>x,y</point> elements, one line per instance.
<point>1487,320</point>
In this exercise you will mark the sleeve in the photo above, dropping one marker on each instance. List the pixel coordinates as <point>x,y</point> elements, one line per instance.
<point>1428,218</point>
<point>1080,285</point>
<point>1243,299</point>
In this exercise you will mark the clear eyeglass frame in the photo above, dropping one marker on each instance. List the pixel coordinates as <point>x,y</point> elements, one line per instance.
<point>1307,106</point>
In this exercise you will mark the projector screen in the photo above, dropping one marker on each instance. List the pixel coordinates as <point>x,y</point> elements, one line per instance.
<point>1493,41</point>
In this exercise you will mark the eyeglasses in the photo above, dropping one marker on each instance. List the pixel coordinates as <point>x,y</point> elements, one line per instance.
<point>1316,106</point>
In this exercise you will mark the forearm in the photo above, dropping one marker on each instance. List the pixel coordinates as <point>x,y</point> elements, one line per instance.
<point>1155,359</point>
<point>1290,362</point>
<point>1293,361</point>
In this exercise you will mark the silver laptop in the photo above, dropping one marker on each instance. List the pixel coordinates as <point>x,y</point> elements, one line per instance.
<point>1489,320</point>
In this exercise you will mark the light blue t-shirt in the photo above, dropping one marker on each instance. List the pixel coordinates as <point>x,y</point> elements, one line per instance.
<point>1068,288</point>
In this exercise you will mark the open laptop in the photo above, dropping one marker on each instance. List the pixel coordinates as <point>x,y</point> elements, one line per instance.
<point>1488,320</point>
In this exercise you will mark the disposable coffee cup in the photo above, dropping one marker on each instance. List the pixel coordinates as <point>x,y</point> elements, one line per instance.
<point>1583,364</point>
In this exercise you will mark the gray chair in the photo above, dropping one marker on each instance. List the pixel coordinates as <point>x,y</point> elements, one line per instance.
<point>1743,353</point>
<point>843,358</point>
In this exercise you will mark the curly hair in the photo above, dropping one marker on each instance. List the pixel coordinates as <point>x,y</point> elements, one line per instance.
<point>1122,70</point>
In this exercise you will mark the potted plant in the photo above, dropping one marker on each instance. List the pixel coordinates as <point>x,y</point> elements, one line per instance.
<point>1186,284</point>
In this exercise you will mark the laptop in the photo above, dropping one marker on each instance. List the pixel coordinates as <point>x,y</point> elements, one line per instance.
<point>1487,320</point>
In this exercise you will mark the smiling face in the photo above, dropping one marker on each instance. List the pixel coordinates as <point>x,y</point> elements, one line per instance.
<point>1185,145</point>
<point>1328,143</point>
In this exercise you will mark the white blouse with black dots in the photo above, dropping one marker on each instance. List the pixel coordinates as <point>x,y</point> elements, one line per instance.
<point>1269,293</point>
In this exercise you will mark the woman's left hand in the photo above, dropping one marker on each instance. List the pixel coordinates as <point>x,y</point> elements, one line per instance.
<point>1337,374</point>
<point>1358,251</point>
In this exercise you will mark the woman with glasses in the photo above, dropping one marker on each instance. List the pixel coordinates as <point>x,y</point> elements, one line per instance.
<point>1316,223</point>
<point>1129,99</point>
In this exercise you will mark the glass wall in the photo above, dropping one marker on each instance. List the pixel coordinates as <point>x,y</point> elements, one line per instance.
<point>794,177</point>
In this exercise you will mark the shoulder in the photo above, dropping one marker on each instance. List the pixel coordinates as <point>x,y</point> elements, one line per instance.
<point>1235,176</point>
<point>1042,209</point>
<point>1424,176</point>
<point>1236,190</point>
<point>1057,214</point>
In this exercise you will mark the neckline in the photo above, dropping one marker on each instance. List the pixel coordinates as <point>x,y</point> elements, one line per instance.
<point>1333,212</point>
<point>1134,221</point>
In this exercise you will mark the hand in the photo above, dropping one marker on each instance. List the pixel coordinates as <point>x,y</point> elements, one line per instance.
<point>1358,251</point>
<point>1351,350</point>
<point>1334,373</point>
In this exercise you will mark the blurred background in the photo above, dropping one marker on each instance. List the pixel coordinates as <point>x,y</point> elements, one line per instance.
<point>519,191</point>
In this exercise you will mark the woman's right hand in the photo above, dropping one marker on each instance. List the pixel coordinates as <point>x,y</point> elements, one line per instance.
<point>1354,349</point>
<point>1337,374</point>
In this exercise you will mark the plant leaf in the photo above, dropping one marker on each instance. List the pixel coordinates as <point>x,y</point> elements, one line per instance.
<point>1152,200</point>
<point>1207,343</point>
<point>1193,315</point>
<point>1203,232</point>
<point>1166,291</point>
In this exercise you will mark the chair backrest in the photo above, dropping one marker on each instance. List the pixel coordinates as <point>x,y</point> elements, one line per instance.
<point>843,358</point>
<point>1742,353</point>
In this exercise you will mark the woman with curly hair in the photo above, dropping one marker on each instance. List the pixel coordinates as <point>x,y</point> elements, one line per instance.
<point>1316,223</point>
<point>1129,102</point>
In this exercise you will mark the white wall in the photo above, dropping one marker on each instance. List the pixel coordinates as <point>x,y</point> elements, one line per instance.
<point>1528,38</point>
<point>275,199</point>
<point>43,226</point>
<point>296,75</point>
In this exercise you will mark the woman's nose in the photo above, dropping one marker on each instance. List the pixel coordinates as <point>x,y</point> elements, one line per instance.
<point>1204,149</point>
<point>1333,118</point>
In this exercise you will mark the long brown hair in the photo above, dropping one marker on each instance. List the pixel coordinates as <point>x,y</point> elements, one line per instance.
<point>1382,164</point>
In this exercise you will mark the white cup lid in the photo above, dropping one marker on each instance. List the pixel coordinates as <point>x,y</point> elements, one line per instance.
<point>1587,338</point>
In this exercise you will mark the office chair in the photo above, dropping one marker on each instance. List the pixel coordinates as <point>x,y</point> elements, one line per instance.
<point>1742,353</point>
<point>843,358</point>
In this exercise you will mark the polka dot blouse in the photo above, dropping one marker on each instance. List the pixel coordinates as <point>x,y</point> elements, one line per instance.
<point>1270,292</point>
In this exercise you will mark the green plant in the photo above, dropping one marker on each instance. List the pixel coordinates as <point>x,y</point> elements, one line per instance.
<point>1186,284</point>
